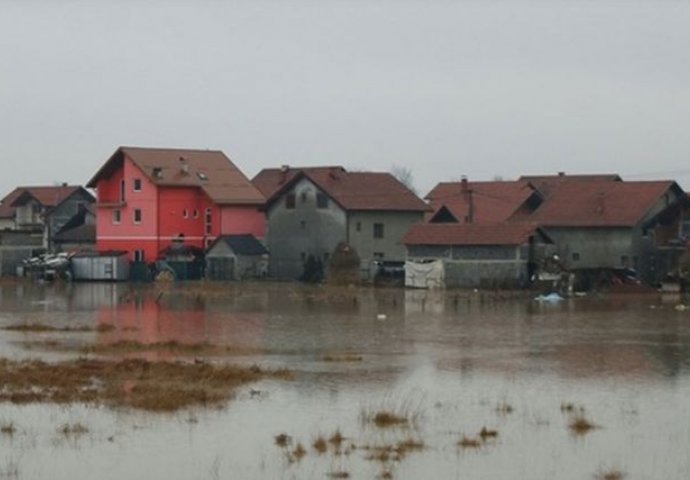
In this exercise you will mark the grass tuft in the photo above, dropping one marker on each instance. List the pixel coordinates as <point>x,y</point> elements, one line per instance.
<point>338,474</point>
<point>74,429</point>
<point>468,442</point>
<point>386,419</point>
<point>320,445</point>
<point>136,383</point>
<point>486,434</point>
<point>609,475</point>
<point>579,425</point>
<point>282,440</point>
<point>8,429</point>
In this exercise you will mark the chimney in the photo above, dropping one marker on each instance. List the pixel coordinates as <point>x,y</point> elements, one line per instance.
<point>467,194</point>
<point>561,174</point>
<point>284,169</point>
<point>64,184</point>
<point>184,166</point>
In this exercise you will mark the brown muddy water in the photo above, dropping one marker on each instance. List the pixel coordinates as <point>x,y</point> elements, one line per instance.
<point>385,384</point>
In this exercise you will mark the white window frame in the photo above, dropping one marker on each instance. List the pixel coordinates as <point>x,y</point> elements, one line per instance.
<point>134,185</point>
<point>116,212</point>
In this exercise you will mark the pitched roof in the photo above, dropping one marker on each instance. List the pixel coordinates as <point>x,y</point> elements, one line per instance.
<point>492,201</point>
<point>547,184</point>
<point>48,196</point>
<point>470,234</point>
<point>597,204</point>
<point>82,233</point>
<point>243,244</point>
<point>209,170</point>
<point>351,190</point>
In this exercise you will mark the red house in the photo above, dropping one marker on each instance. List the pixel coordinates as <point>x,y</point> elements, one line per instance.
<point>148,198</point>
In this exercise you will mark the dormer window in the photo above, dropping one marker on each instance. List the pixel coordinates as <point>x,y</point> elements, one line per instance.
<point>157,172</point>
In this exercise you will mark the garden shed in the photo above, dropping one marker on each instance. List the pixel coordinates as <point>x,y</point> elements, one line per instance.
<point>236,257</point>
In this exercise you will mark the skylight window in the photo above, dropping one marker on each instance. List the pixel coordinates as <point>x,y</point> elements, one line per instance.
<point>202,175</point>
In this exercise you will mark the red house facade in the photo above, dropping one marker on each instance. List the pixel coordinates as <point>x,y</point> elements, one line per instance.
<point>148,198</point>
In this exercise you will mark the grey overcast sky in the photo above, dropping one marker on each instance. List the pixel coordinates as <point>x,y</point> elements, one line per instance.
<point>444,88</point>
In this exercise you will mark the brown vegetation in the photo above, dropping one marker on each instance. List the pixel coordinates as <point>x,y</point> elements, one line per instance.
<point>338,474</point>
<point>504,408</point>
<point>342,358</point>
<point>320,445</point>
<point>486,433</point>
<point>579,425</point>
<point>386,419</point>
<point>74,429</point>
<point>610,475</point>
<point>468,442</point>
<point>8,429</point>
<point>155,386</point>
<point>41,327</point>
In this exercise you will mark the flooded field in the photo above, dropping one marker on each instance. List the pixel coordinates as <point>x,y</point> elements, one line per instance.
<point>339,383</point>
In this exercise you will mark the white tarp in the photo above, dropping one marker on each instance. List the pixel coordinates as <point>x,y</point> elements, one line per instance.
<point>427,274</point>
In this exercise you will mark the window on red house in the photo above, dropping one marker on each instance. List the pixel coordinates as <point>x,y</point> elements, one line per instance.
<point>117,215</point>
<point>137,185</point>
<point>136,215</point>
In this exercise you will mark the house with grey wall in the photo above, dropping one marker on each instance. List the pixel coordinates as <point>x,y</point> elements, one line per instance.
<point>236,257</point>
<point>616,225</point>
<point>311,210</point>
<point>501,255</point>
<point>45,209</point>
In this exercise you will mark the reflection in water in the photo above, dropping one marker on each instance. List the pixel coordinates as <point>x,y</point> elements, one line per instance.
<point>452,357</point>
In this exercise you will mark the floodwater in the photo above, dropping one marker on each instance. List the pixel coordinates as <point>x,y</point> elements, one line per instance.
<point>451,363</point>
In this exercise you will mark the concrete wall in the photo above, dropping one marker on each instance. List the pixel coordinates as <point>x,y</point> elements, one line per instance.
<point>294,234</point>
<point>478,266</point>
<point>581,248</point>
<point>395,224</point>
<point>15,246</point>
<point>63,213</point>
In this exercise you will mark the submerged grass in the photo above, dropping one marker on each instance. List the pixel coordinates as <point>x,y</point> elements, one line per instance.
<point>580,425</point>
<point>345,358</point>
<point>136,383</point>
<point>609,475</point>
<point>469,442</point>
<point>8,428</point>
<point>41,327</point>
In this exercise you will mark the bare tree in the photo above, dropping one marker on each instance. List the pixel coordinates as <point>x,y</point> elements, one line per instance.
<point>404,176</point>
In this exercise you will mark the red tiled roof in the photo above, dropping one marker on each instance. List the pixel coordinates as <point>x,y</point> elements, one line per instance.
<point>548,184</point>
<point>469,234</point>
<point>351,190</point>
<point>209,170</point>
<point>48,196</point>
<point>492,201</point>
<point>594,204</point>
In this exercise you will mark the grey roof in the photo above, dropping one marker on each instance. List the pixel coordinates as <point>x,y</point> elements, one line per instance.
<point>244,244</point>
<point>81,234</point>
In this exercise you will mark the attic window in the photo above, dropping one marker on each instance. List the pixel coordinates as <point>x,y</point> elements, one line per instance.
<point>321,200</point>
<point>202,176</point>
<point>157,172</point>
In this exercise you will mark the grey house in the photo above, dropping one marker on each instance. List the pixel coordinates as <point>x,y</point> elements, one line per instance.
<point>236,257</point>
<point>503,255</point>
<point>616,225</point>
<point>44,209</point>
<point>311,210</point>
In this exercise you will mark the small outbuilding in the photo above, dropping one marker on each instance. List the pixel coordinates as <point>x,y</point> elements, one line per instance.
<point>236,257</point>
<point>106,266</point>
<point>504,255</point>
